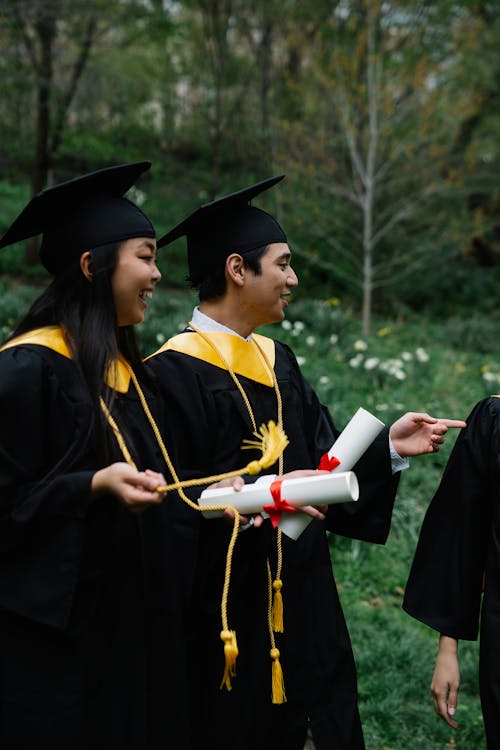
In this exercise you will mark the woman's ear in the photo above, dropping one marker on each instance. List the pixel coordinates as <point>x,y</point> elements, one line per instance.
<point>86,265</point>
<point>235,269</point>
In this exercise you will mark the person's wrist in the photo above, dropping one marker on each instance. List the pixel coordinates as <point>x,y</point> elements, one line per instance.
<point>448,645</point>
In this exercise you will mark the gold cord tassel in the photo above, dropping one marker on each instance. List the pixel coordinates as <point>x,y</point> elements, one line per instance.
<point>277,680</point>
<point>271,440</point>
<point>277,615</point>
<point>230,654</point>
<point>277,618</point>
<point>278,684</point>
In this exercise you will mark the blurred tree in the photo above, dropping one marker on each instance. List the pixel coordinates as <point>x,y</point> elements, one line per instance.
<point>383,115</point>
<point>38,25</point>
<point>55,40</point>
<point>376,144</point>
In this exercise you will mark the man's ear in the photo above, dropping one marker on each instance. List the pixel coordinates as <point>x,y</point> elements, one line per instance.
<point>86,265</point>
<point>235,269</point>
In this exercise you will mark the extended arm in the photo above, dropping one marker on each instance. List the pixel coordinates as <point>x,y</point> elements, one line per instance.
<point>417,433</point>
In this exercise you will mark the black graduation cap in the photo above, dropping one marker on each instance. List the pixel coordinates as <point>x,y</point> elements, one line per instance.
<point>82,213</point>
<point>224,226</point>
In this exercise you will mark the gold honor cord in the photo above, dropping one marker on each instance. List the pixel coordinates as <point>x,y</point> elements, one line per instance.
<point>277,681</point>
<point>273,442</point>
<point>276,621</point>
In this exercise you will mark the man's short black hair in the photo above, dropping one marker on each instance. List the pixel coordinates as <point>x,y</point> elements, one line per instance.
<point>214,285</point>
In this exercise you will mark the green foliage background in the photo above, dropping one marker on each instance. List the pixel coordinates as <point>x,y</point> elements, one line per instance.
<point>220,94</point>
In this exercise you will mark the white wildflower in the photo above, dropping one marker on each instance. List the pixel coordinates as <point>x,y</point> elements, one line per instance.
<point>286,325</point>
<point>421,355</point>
<point>391,365</point>
<point>333,339</point>
<point>356,361</point>
<point>371,363</point>
<point>310,340</point>
<point>360,346</point>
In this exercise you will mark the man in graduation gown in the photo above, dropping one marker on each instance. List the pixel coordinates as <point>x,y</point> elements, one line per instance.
<point>220,382</point>
<point>456,567</point>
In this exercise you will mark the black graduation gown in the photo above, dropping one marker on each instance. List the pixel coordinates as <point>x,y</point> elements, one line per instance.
<point>73,666</point>
<point>459,547</point>
<point>316,655</point>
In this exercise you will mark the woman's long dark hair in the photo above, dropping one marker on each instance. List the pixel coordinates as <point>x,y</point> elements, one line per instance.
<point>86,312</point>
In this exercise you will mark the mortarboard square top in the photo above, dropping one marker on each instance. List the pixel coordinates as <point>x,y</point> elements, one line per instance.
<point>82,213</point>
<point>224,226</point>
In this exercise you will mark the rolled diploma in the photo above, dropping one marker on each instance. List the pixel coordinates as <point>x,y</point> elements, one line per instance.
<point>315,490</point>
<point>356,437</point>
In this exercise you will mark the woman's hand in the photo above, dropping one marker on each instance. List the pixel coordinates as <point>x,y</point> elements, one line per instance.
<point>135,489</point>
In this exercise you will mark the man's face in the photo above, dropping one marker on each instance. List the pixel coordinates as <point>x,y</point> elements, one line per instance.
<point>266,295</point>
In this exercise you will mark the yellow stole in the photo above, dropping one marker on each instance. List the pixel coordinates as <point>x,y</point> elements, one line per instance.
<point>242,356</point>
<point>52,337</point>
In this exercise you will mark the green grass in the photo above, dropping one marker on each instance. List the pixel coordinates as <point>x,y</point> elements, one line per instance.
<point>442,366</point>
<point>416,364</point>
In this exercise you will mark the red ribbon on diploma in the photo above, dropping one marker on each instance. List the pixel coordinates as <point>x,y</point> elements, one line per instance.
<point>327,463</point>
<point>280,505</point>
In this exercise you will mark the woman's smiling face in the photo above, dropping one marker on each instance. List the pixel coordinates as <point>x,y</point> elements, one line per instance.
<point>134,279</point>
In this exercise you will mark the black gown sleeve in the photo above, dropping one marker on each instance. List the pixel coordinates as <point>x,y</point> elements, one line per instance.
<point>368,519</point>
<point>44,484</point>
<point>445,582</point>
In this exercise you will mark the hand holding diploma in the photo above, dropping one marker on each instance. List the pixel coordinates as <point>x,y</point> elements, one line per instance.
<point>285,496</point>
<point>311,488</point>
<point>257,519</point>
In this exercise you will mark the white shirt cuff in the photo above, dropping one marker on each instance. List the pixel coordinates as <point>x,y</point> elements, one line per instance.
<point>398,463</point>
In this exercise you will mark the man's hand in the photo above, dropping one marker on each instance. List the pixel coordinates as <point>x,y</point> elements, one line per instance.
<point>415,433</point>
<point>237,483</point>
<point>256,519</point>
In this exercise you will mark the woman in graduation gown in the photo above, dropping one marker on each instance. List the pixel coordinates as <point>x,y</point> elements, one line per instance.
<point>73,666</point>
<point>454,581</point>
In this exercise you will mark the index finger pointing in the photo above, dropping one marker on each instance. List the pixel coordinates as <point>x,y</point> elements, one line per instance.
<point>453,423</point>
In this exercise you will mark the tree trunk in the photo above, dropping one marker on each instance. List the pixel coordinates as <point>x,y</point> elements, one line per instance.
<point>369,187</point>
<point>46,30</point>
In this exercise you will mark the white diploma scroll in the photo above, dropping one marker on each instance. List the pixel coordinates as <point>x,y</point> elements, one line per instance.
<point>356,437</point>
<point>339,486</point>
<point>315,490</point>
